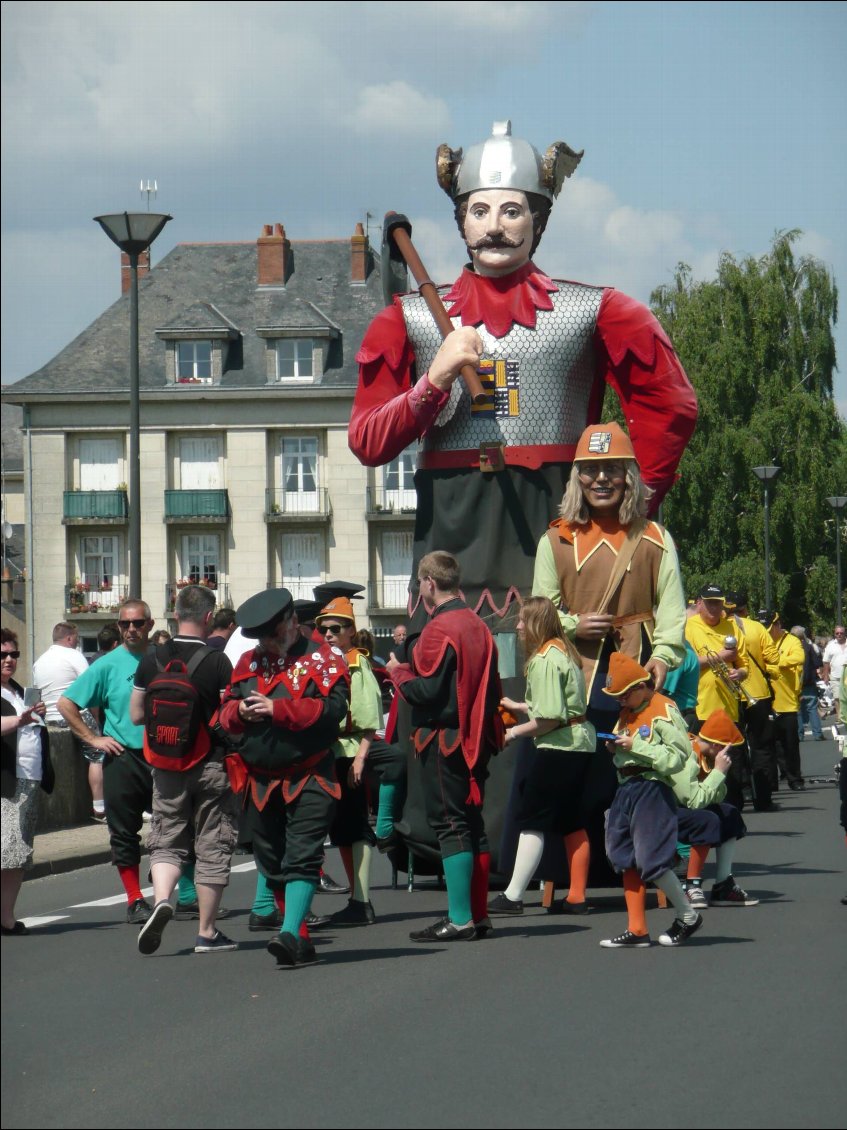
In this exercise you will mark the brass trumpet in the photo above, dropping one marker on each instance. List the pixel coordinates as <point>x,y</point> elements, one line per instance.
<point>722,672</point>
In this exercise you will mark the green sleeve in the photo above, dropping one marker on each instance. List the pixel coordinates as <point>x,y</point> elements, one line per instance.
<point>694,793</point>
<point>547,691</point>
<point>545,582</point>
<point>666,750</point>
<point>669,627</point>
<point>365,699</point>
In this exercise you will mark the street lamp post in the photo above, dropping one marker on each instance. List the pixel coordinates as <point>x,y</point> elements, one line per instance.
<point>838,503</point>
<point>766,476</point>
<point>133,232</point>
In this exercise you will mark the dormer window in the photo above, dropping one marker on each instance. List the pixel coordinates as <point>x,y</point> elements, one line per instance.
<point>295,359</point>
<point>201,344</point>
<point>298,354</point>
<point>194,362</point>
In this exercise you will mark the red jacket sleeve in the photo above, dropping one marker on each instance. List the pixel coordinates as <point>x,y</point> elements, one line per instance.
<point>228,717</point>
<point>389,413</point>
<point>637,359</point>
<point>297,714</point>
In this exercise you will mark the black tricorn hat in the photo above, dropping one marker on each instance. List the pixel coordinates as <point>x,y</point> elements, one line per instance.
<point>329,590</point>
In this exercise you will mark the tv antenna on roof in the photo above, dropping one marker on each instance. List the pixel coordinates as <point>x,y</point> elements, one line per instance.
<point>151,187</point>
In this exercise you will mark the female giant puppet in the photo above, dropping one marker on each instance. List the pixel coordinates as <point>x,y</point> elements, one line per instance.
<point>490,476</point>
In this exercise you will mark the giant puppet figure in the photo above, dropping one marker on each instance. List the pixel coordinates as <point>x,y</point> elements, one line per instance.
<point>490,475</point>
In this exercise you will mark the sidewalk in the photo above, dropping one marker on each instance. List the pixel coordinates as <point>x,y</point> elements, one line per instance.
<point>71,848</point>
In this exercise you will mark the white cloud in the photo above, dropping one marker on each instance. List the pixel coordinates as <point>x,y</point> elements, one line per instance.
<point>398,108</point>
<point>813,243</point>
<point>595,237</point>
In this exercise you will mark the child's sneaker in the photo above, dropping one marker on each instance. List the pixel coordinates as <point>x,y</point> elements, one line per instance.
<point>695,895</point>
<point>626,941</point>
<point>680,931</point>
<point>728,893</point>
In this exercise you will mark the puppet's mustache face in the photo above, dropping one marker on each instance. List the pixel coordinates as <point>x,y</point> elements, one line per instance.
<point>490,242</point>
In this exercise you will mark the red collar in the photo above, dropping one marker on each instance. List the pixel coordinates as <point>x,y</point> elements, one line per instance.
<point>500,302</point>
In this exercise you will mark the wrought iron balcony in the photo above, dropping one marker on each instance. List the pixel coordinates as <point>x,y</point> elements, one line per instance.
<point>94,598</point>
<point>196,506</point>
<point>104,506</point>
<point>388,595</point>
<point>297,505</point>
<point>393,503</point>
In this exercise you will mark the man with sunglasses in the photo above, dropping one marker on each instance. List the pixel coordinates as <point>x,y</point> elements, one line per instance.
<point>127,778</point>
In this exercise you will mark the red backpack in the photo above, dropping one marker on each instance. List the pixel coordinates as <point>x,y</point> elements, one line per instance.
<point>176,735</point>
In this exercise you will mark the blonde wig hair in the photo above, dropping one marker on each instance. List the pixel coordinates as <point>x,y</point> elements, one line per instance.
<point>574,509</point>
<point>540,624</point>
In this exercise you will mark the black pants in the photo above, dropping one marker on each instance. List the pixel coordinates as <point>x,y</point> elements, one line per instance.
<point>128,794</point>
<point>351,824</point>
<point>788,746</point>
<point>760,739</point>
<point>288,839</point>
<point>551,793</point>
<point>458,825</point>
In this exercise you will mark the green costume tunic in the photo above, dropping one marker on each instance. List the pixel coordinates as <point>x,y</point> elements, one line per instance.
<point>555,688</point>
<point>365,705</point>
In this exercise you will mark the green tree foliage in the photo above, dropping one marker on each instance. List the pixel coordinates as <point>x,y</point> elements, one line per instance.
<point>758,347</point>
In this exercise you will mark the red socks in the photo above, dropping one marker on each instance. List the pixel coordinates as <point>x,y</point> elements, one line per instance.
<point>129,878</point>
<point>479,885</point>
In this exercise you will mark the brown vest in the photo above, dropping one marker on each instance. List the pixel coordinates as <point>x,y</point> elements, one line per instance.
<point>582,582</point>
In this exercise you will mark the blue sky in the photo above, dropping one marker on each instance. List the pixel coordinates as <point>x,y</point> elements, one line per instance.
<point>706,127</point>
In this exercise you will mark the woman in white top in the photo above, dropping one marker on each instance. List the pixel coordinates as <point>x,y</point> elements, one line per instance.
<point>25,768</point>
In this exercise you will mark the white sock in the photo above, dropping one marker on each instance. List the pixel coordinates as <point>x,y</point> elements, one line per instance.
<point>99,805</point>
<point>724,857</point>
<point>530,849</point>
<point>671,886</point>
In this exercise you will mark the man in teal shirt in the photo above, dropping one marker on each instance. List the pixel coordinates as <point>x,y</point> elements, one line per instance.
<point>127,779</point>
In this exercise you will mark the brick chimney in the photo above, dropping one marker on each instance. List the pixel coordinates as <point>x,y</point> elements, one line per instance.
<point>126,274</point>
<point>273,250</point>
<point>358,256</point>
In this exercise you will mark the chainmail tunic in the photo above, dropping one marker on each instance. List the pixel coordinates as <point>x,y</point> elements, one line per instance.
<point>539,380</point>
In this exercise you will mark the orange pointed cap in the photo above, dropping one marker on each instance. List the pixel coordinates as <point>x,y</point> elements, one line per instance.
<point>624,673</point>
<point>720,729</point>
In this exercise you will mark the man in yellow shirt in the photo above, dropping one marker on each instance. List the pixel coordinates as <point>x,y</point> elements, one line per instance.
<point>723,668</point>
<point>786,698</point>
<point>763,667</point>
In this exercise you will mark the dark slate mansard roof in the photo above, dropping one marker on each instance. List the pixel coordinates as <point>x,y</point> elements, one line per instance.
<point>214,287</point>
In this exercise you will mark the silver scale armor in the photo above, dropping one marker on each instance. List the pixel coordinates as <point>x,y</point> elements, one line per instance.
<point>539,392</point>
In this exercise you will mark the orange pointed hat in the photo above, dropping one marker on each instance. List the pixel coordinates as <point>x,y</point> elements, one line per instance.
<point>624,673</point>
<point>604,441</point>
<point>720,729</point>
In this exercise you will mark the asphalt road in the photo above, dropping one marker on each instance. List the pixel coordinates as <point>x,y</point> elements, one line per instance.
<point>536,1026</point>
